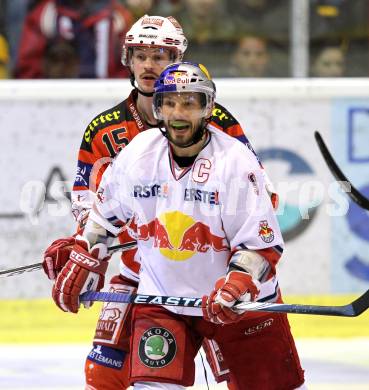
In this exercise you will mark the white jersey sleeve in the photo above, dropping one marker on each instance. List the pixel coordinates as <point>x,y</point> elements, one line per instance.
<point>111,209</point>
<point>247,211</point>
<point>248,217</point>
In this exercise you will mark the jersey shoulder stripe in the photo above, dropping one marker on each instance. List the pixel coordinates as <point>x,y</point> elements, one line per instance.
<point>222,118</point>
<point>123,113</point>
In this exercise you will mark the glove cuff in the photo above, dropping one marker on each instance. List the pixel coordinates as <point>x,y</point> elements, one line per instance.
<point>250,262</point>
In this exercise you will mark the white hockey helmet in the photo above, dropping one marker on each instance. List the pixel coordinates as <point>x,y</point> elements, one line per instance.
<point>155,31</point>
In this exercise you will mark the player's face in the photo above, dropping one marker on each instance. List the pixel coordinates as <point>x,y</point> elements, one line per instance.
<point>182,113</point>
<point>147,64</point>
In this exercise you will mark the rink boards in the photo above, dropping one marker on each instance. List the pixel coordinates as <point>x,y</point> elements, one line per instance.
<point>40,321</point>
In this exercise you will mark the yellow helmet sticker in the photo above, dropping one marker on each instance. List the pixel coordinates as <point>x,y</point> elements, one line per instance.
<point>203,68</point>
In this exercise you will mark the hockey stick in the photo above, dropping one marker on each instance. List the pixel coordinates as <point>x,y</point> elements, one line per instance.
<point>352,309</point>
<point>37,266</point>
<point>354,194</point>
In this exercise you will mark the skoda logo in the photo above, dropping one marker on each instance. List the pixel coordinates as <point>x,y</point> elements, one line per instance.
<point>157,347</point>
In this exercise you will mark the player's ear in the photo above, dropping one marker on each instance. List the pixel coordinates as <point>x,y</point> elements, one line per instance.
<point>210,113</point>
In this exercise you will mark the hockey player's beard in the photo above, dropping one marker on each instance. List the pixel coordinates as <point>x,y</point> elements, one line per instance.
<point>197,135</point>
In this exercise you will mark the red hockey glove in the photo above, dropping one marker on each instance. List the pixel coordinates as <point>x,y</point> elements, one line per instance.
<point>84,271</point>
<point>235,286</point>
<point>56,256</point>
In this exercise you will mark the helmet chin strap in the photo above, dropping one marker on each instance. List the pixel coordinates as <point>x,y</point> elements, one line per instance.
<point>147,94</point>
<point>132,79</point>
<point>199,133</point>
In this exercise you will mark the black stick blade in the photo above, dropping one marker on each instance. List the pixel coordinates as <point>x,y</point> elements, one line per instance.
<point>354,194</point>
<point>361,304</point>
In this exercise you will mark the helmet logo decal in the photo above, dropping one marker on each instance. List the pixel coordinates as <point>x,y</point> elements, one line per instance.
<point>174,22</point>
<point>147,36</point>
<point>152,21</point>
<point>177,77</point>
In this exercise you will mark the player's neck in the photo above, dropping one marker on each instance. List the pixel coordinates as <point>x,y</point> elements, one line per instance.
<point>192,150</point>
<point>144,107</point>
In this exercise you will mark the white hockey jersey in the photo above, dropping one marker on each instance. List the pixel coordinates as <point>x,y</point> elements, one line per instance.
<point>188,221</point>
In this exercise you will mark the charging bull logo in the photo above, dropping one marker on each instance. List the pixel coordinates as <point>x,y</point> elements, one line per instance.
<point>179,73</point>
<point>108,322</point>
<point>178,236</point>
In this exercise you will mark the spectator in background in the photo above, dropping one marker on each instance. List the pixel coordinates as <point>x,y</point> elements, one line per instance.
<point>4,51</point>
<point>138,8</point>
<point>61,61</point>
<point>251,58</point>
<point>328,61</point>
<point>210,33</point>
<point>268,19</point>
<point>167,7</point>
<point>332,19</point>
<point>15,12</point>
<point>4,58</point>
<point>94,27</point>
<point>337,20</point>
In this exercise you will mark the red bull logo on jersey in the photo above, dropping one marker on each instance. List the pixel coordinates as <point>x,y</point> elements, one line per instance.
<point>178,236</point>
<point>265,232</point>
